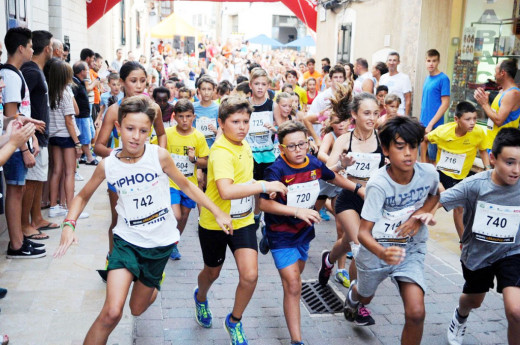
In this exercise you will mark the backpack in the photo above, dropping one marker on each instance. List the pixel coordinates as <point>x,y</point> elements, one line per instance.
<point>14,69</point>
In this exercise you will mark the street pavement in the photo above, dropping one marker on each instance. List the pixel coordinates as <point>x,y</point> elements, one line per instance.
<point>54,301</point>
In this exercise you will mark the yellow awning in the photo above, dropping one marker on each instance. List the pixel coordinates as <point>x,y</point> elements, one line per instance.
<point>174,25</point>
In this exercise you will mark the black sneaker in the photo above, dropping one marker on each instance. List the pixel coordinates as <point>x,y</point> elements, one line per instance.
<point>264,244</point>
<point>33,244</point>
<point>26,251</point>
<point>357,313</point>
<point>325,272</point>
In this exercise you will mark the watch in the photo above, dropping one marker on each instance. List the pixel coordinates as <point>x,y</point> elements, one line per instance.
<point>194,160</point>
<point>358,186</point>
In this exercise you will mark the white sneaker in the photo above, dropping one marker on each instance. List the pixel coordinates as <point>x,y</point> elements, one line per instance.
<point>84,215</point>
<point>78,177</point>
<point>57,211</point>
<point>456,331</point>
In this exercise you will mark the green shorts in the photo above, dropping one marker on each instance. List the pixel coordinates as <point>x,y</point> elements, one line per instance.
<point>146,264</point>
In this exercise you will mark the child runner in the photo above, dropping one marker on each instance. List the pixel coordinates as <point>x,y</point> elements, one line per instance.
<point>189,151</point>
<point>393,241</point>
<point>146,228</point>
<point>457,144</point>
<point>265,117</point>
<point>381,92</point>
<point>392,103</point>
<point>335,129</point>
<point>290,218</point>
<point>361,154</point>
<point>491,237</point>
<point>231,187</point>
<point>133,80</point>
<point>206,114</point>
<point>312,91</point>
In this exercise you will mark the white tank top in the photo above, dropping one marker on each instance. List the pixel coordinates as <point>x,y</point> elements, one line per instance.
<point>144,214</point>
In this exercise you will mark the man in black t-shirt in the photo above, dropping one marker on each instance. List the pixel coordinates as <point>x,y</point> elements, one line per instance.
<point>37,175</point>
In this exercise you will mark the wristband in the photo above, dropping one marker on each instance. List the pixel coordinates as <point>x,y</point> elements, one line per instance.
<point>264,189</point>
<point>22,151</point>
<point>72,221</point>
<point>358,186</point>
<point>69,224</point>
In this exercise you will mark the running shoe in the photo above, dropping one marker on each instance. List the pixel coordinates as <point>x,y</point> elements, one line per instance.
<point>202,312</point>
<point>349,255</point>
<point>78,177</point>
<point>57,211</point>
<point>357,313</point>
<point>325,271</point>
<point>324,215</point>
<point>83,215</point>
<point>235,331</point>
<point>264,244</point>
<point>297,343</point>
<point>456,330</point>
<point>343,278</point>
<point>35,245</point>
<point>175,255</point>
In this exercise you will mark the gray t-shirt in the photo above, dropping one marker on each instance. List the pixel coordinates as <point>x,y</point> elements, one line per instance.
<point>489,216</point>
<point>389,204</point>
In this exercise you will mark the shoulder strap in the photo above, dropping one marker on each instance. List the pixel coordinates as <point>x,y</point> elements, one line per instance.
<point>15,70</point>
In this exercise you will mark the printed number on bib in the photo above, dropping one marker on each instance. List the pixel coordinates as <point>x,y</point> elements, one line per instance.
<point>451,162</point>
<point>384,229</point>
<point>303,195</point>
<point>241,208</point>
<point>202,125</point>
<point>258,120</point>
<point>184,165</point>
<point>145,209</point>
<point>496,223</point>
<point>365,164</point>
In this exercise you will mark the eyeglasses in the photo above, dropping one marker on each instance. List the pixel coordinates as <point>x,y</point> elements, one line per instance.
<point>302,146</point>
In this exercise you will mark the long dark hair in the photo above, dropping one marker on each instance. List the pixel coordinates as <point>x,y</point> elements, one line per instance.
<point>60,75</point>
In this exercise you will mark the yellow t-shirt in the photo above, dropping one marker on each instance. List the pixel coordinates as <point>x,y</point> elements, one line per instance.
<point>178,147</point>
<point>235,162</point>
<point>455,147</point>
<point>302,94</point>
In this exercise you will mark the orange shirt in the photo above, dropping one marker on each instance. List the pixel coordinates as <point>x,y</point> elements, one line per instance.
<point>316,75</point>
<point>97,94</point>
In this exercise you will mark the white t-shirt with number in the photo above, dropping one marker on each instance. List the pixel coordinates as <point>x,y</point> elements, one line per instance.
<point>144,214</point>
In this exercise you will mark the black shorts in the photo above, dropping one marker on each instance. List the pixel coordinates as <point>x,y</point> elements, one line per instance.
<point>447,181</point>
<point>63,142</point>
<point>347,200</point>
<point>258,170</point>
<point>506,270</point>
<point>215,242</point>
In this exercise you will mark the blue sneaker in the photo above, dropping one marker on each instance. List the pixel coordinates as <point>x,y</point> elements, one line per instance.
<point>264,244</point>
<point>202,312</point>
<point>235,331</point>
<point>324,215</point>
<point>175,255</point>
<point>349,255</point>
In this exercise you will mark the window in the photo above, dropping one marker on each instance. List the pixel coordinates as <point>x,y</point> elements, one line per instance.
<point>138,28</point>
<point>16,13</point>
<point>344,40</point>
<point>234,23</point>
<point>123,23</point>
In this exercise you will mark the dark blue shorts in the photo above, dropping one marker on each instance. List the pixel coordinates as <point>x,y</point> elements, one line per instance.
<point>64,143</point>
<point>15,170</point>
